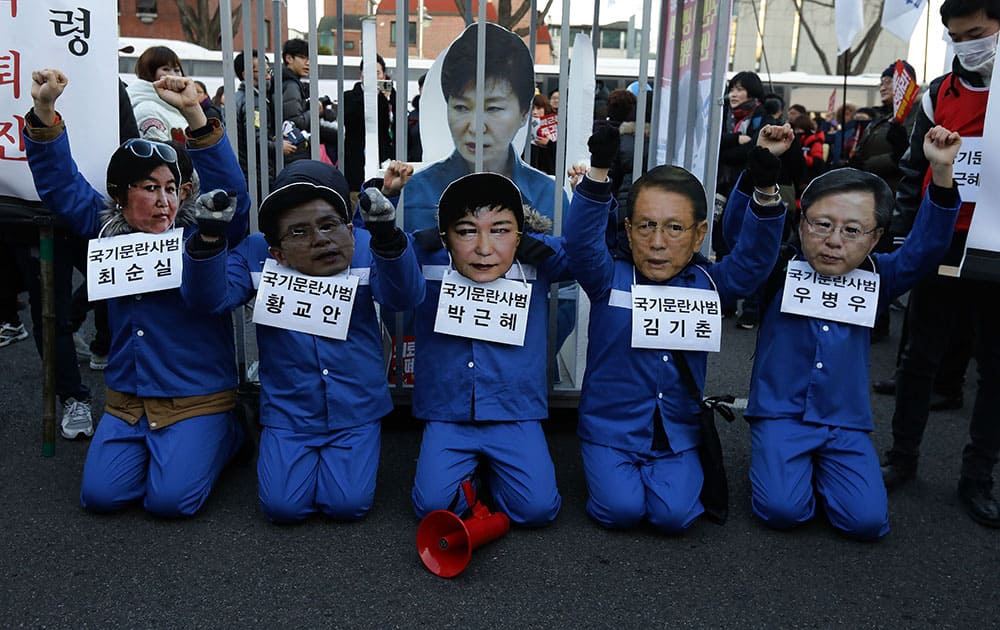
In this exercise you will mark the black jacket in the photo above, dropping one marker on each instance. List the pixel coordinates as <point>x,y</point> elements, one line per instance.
<point>354,134</point>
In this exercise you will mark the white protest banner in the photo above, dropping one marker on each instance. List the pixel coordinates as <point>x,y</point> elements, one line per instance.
<point>850,299</point>
<point>80,38</point>
<point>316,305</point>
<point>849,18</point>
<point>134,263</point>
<point>900,17</point>
<point>579,100</point>
<point>488,311</point>
<point>982,247</point>
<point>676,318</point>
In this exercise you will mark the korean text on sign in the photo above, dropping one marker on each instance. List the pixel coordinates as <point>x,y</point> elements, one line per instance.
<point>850,299</point>
<point>676,318</point>
<point>967,167</point>
<point>134,263</point>
<point>490,311</point>
<point>316,305</point>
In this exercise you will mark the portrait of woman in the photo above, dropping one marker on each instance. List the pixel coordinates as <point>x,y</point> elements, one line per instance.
<point>449,102</point>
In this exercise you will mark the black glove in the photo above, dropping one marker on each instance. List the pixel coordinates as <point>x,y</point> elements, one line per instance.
<point>763,167</point>
<point>213,211</point>
<point>603,145</point>
<point>380,219</point>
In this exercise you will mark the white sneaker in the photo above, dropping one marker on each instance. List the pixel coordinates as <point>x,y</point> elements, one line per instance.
<point>12,334</point>
<point>82,347</point>
<point>76,419</point>
<point>98,361</point>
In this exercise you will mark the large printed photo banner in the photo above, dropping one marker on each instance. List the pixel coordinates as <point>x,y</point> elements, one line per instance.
<point>982,249</point>
<point>80,38</point>
<point>694,72</point>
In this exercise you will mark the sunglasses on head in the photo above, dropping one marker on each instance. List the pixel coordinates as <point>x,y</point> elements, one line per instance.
<point>146,148</point>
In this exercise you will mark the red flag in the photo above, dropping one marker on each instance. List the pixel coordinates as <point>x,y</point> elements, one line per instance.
<point>904,91</point>
<point>832,105</point>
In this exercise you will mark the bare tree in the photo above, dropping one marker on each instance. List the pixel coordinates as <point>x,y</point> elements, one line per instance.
<point>201,29</point>
<point>855,57</point>
<point>507,15</point>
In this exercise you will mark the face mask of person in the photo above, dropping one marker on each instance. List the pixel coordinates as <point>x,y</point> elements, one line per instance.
<point>977,55</point>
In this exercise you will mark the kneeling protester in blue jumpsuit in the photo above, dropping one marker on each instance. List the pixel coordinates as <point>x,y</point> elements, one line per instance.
<point>480,364</point>
<point>316,279</point>
<point>168,429</point>
<point>654,317</point>
<point>809,410</point>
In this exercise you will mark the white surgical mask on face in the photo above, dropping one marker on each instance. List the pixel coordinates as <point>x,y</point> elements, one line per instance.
<point>977,55</point>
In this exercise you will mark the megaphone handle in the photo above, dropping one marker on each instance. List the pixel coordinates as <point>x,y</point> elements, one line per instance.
<point>470,492</point>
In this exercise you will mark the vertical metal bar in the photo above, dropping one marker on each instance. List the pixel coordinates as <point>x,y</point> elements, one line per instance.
<point>402,54</point>
<point>314,137</point>
<point>719,63</point>
<point>248,123</point>
<point>468,12</point>
<point>228,80</point>
<point>595,30</point>
<point>477,118</point>
<point>640,109</point>
<point>552,361</point>
<point>228,76</point>
<point>533,40</point>
<point>654,129</point>
<point>673,129</point>
<point>340,84</point>
<point>723,23</point>
<point>46,250</point>
<point>279,70</point>
<point>694,76</point>
<point>564,37</point>
<point>262,107</point>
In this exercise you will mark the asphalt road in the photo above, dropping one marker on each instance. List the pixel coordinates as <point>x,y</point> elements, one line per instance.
<point>227,567</point>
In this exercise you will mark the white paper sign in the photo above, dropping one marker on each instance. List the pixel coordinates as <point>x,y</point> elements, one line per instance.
<point>134,263</point>
<point>967,167</point>
<point>316,305</point>
<point>489,311</point>
<point>80,39</point>
<point>675,318</point>
<point>850,299</point>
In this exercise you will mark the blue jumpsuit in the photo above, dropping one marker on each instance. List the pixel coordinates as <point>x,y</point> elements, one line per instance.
<point>809,407</point>
<point>321,399</point>
<point>160,348</point>
<point>626,390</point>
<point>484,399</point>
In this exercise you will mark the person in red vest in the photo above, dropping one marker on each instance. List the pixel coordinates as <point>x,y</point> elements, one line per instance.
<point>940,306</point>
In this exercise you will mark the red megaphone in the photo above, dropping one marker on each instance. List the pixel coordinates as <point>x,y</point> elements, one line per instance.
<point>445,542</point>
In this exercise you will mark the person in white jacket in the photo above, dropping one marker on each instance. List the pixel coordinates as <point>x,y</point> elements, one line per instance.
<point>157,119</point>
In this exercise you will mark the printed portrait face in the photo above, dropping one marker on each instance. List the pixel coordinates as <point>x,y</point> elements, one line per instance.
<point>483,243</point>
<point>500,116</point>
<point>838,231</point>
<point>151,204</point>
<point>663,233</point>
<point>314,239</point>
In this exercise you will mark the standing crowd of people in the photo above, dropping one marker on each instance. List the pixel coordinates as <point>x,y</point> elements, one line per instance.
<point>867,208</point>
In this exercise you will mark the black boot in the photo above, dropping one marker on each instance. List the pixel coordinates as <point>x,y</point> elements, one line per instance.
<point>896,472</point>
<point>885,386</point>
<point>976,497</point>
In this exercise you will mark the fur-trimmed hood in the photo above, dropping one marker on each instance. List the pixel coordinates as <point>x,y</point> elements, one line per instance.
<point>113,221</point>
<point>628,128</point>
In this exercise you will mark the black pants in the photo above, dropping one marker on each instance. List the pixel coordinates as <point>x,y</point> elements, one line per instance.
<point>939,308</point>
<point>68,383</point>
<point>10,286</point>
